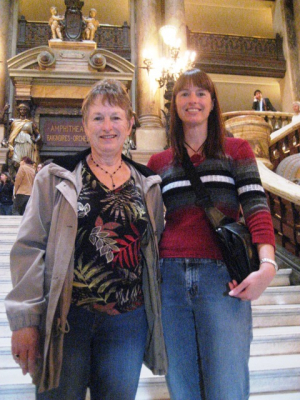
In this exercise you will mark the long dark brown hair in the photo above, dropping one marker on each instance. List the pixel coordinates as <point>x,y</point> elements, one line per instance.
<point>214,144</point>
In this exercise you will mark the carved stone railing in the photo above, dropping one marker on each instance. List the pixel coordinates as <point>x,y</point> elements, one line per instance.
<point>276,119</point>
<point>284,142</point>
<point>270,149</point>
<point>284,201</point>
<point>227,54</point>
<point>113,38</point>
<point>240,55</point>
<point>283,195</point>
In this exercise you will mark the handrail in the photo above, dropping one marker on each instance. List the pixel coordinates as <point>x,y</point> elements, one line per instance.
<point>278,185</point>
<point>276,120</point>
<point>283,195</point>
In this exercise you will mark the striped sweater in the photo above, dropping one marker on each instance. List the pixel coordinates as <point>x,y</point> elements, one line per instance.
<point>234,184</point>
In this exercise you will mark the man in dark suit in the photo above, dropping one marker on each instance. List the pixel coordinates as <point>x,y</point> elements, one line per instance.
<point>261,103</point>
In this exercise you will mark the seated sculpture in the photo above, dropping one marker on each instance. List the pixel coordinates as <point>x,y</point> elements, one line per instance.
<point>91,25</point>
<point>55,24</point>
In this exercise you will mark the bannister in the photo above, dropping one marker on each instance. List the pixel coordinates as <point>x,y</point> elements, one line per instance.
<point>276,119</point>
<point>283,195</point>
<point>284,201</point>
<point>284,142</point>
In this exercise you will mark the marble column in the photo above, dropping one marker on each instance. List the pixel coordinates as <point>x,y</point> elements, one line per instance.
<point>4,23</point>
<point>292,45</point>
<point>150,137</point>
<point>147,26</point>
<point>175,15</point>
<point>297,25</point>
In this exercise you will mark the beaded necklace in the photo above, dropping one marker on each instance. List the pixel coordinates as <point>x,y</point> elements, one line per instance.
<point>104,170</point>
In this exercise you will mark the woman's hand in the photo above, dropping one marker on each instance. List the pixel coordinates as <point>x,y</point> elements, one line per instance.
<point>25,347</point>
<point>255,283</point>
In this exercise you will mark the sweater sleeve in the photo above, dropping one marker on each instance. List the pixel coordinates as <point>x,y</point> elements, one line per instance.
<point>252,195</point>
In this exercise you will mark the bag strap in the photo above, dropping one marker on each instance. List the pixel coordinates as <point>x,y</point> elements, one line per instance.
<point>203,199</point>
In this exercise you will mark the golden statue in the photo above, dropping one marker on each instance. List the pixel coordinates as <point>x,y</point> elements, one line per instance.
<point>91,25</point>
<point>55,23</point>
<point>23,139</point>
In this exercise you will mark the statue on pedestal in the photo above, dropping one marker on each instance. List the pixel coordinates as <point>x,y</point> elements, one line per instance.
<point>24,139</point>
<point>55,23</point>
<point>91,25</point>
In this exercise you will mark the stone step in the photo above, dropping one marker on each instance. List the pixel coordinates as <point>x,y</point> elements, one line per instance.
<point>267,375</point>
<point>282,277</point>
<point>279,295</point>
<point>5,287</point>
<point>26,392</point>
<point>275,373</point>
<point>275,340</point>
<point>263,315</point>
<point>276,315</point>
<point>276,396</point>
<point>266,341</point>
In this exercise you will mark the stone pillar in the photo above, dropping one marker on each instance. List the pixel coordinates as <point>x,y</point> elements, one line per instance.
<point>175,15</point>
<point>147,26</point>
<point>4,23</point>
<point>297,25</point>
<point>292,46</point>
<point>150,137</point>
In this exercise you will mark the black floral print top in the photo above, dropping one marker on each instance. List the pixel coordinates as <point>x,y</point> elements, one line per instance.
<point>111,227</point>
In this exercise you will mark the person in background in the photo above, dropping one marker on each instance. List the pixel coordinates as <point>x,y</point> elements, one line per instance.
<point>261,103</point>
<point>85,305</point>
<point>6,194</point>
<point>23,185</point>
<point>296,109</point>
<point>39,167</point>
<point>207,317</point>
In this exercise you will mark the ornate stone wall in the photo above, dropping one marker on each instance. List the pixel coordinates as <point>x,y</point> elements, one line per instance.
<point>238,54</point>
<point>113,38</point>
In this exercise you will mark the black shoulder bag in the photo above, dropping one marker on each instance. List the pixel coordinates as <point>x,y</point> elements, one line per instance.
<point>239,253</point>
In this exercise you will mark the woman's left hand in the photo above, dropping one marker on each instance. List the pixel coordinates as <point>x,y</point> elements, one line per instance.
<point>254,285</point>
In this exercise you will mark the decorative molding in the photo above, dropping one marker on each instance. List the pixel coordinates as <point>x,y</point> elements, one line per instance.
<point>113,38</point>
<point>230,54</point>
<point>224,54</point>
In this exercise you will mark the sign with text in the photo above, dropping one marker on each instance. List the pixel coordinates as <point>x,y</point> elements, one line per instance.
<point>62,131</point>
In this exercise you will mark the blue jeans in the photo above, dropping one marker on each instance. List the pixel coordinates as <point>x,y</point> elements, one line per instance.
<point>103,352</point>
<point>6,209</point>
<point>207,332</point>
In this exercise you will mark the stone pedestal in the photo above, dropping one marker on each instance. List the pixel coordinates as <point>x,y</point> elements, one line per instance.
<point>256,131</point>
<point>148,141</point>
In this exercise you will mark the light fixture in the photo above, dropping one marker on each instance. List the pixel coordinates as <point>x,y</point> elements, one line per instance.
<point>170,67</point>
<point>166,70</point>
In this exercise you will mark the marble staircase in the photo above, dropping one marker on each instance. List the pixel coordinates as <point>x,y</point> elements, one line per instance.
<point>275,351</point>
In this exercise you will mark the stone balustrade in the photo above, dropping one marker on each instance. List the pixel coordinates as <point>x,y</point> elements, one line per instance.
<point>276,119</point>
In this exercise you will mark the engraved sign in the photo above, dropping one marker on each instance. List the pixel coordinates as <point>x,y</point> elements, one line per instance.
<point>62,131</point>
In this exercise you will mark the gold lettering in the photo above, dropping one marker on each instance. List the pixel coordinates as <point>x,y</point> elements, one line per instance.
<point>58,138</point>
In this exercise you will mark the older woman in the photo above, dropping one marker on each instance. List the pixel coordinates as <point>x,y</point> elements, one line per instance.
<point>85,303</point>
<point>208,329</point>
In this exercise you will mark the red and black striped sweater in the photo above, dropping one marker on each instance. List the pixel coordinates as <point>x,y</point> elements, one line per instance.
<point>234,184</point>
